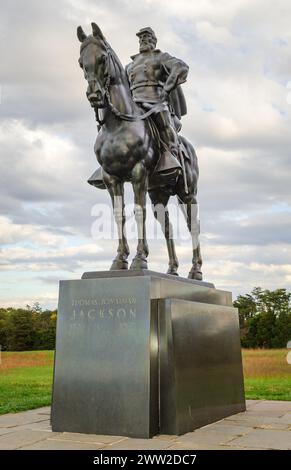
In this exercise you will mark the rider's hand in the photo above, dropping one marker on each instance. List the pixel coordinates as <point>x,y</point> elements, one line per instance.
<point>164,95</point>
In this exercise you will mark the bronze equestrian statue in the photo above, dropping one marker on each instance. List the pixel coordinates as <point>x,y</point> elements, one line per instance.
<point>138,110</point>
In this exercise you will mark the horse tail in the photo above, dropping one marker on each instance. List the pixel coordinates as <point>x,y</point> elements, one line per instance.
<point>190,164</point>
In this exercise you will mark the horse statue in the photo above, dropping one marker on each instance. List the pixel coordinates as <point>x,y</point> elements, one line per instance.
<point>128,150</point>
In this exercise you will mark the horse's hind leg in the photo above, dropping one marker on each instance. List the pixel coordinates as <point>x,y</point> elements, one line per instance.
<point>116,191</point>
<point>189,208</point>
<point>159,202</point>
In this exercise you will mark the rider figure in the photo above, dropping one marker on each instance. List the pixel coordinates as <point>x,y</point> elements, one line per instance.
<point>154,77</point>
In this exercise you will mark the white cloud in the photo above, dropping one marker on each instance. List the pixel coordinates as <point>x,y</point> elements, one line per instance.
<point>36,160</point>
<point>239,121</point>
<point>47,300</point>
<point>213,33</point>
<point>15,233</point>
<point>23,258</point>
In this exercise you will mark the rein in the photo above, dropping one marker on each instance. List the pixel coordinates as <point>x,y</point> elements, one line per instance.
<point>160,106</point>
<point>135,117</point>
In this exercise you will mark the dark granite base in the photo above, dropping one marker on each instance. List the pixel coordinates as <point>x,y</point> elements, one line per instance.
<point>133,360</point>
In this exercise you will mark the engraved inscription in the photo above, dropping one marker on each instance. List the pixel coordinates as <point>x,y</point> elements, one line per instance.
<point>104,301</point>
<point>120,308</point>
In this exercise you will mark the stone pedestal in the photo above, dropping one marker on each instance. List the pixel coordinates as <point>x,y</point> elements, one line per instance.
<point>142,353</point>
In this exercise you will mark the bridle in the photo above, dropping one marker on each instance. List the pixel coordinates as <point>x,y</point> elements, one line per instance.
<point>160,106</point>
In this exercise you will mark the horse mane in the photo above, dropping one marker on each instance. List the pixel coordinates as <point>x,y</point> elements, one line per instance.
<point>116,69</point>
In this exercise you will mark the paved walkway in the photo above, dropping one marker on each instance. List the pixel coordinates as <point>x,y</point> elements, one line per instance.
<point>265,425</point>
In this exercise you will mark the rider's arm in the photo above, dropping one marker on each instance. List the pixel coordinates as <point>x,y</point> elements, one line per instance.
<point>177,71</point>
<point>127,72</point>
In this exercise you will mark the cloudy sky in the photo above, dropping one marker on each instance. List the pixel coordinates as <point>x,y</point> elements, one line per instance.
<point>239,120</point>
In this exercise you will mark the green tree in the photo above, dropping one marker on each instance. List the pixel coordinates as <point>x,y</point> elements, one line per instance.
<point>45,330</point>
<point>265,318</point>
<point>276,302</point>
<point>20,328</point>
<point>247,308</point>
<point>265,329</point>
<point>4,332</point>
<point>282,330</point>
<point>249,340</point>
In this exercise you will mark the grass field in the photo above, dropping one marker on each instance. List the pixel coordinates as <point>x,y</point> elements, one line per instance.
<point>267,374</point>
<point>26,377</point>
<point>25,380</point>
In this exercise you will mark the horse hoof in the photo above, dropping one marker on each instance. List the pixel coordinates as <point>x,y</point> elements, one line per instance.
<point>173,271</point>
<point>139,263</point>
<point>196,275</point>
<point>119,264</point>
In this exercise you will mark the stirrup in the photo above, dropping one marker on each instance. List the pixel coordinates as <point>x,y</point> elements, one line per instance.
<point>167,163</point>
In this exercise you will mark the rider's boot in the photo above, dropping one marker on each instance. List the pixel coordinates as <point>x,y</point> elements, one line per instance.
<point>168,168</point>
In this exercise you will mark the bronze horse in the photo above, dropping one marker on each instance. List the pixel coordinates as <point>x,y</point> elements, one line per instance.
<point>127,150</point>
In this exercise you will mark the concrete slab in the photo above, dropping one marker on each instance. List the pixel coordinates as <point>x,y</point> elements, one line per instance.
<point>51,444</point>
<point>278,406</point>
<point>257,428</point>
<point>96,438</point>
<point>45,410</point>
<point>286,418</point>
<point>5,431</point>
<point>141,444</point>
<point>263,422</point>
<point>38,426</point>
<point>208,438</point>
<point>18,419</point>
<point>18,439</point>
<point>227,429</point>
<point>251,403</point>
<point>251,412</point>
<point>266,439</point>
<point>205,447</point>
<point>165,437</point>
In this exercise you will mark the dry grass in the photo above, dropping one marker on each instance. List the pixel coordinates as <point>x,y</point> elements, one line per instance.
<point>20,360</point>
<point>26,377</point>
<point>266,363</point>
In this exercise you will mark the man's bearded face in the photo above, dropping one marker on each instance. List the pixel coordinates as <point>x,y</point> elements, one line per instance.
<point>146,42</point>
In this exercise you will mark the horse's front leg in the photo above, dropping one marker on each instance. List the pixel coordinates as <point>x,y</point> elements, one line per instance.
<point>139,184</point>
<point>116,191</point>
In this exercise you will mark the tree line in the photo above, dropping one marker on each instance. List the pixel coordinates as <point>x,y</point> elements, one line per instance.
<point>27,329</point>
<point>264,318</point>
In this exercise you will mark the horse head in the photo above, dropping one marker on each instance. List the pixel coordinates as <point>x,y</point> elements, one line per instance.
<point>94,62</point>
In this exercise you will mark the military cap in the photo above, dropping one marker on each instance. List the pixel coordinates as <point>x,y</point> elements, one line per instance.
<point>149,30</point>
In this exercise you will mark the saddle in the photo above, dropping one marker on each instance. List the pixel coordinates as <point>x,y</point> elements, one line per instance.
<point>168,168</point>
